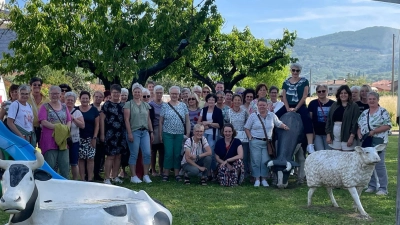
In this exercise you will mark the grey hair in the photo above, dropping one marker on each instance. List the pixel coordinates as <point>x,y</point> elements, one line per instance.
<point>158,88</point>
<point>373,93</point>
<point>186,90</point>
<point>136,86</point>
<point>124,91</point>
<point>54,87</point>
<point>24,87</point>
<point>264,100</point>
<point>198,127</point>
<point>99,92</point>
<point>358,88</point>
<point>145,90</point>
<point>175,87</point>
<point>296,65</point>
<point>239,89</point>
<point>220,93</point>
<point>70,94</point>
<point>196,88</point>
<point>321,85</point>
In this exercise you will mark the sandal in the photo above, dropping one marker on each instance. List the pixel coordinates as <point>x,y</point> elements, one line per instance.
<point>186,180</point>
<point>165,178</point>
<point>178,178</point>
<point>203,181</point>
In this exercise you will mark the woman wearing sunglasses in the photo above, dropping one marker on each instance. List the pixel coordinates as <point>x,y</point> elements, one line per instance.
<point>319,110</point>
<point>194,110</point>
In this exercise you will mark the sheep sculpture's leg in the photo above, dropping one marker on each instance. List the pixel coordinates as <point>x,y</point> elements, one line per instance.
<point>359,191</point>
<point>333,200</point>
<point>354,193</point>
<point>301,160</point>
<point>310,194</point>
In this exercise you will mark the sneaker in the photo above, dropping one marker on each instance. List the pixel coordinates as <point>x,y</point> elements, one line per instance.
<point>118,180</point>
<point>310,148</point>
<point>136,180</point>
<point>257,183</point>
<point>370,190</point>
<point>264,183</point>
<point>381,192</point>
<point>146,179</point>
<point>107,181</point>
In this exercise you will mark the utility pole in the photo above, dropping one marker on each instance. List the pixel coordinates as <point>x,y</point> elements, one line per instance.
<point>392,86</point>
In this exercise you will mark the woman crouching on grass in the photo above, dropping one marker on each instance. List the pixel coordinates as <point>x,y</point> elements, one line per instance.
<point>229,155</point>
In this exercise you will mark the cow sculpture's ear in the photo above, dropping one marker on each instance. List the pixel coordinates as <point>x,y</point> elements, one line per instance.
<point>41,175</point>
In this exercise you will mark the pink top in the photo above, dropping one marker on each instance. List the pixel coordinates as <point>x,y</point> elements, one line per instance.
<point>47,141</point>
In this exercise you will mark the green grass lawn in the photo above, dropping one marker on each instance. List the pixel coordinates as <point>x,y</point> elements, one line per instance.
<point>212,204</point>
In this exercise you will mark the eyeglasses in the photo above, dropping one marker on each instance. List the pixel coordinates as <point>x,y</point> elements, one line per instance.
<point>239,93</point>
<point>294,70</point>
<point>192,99</point>
<point>220,97</point>
<point>146,96</point>
<point>54,93</point>
<point>24,94</point>
<point>206,92</point>
<point>36,85</point>
<point>322,91</point>
<point>249,96</point>
<point>64,90</point>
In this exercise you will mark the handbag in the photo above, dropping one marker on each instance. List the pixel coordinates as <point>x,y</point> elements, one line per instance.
<point>240,134</point>
<point>370,141</point>
<point>270,145</point>
<point>180,117</point>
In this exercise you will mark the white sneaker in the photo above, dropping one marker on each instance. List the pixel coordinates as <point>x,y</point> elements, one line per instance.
<point>264,183</point>
<point>370,190</point>
<point>380,192</point>
<point>146,179</point>
<point>107,181</point>
<point>136,180</point>
<point>257,183</point>
<point>117,180</point>
<point>310,148</point>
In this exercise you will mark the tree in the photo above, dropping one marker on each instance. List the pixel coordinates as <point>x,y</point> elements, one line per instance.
<point>114,40</point>
<point>237,55</point>
<point>275,78</point>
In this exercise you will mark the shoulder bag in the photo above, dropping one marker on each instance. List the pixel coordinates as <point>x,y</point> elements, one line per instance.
<point>270,145</point>
<point>370,141</point>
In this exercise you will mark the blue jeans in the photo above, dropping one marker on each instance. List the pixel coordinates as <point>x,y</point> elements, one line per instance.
<point>259,156</point>
<point>74,154</point>
<point>246,157</point>
<point>320,143</point>
<point>381,171</point>
<point>211,143</point>
<point>141,139</point>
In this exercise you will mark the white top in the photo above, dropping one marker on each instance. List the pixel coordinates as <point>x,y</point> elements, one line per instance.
<point>24,117</point>
<point>75,129</point>
<point>254,125</point>
<point>208,119</point>
<point>196,149</point>
<point>277,105</point>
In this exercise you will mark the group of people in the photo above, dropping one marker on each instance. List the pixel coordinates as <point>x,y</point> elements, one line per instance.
<point>219,136</point>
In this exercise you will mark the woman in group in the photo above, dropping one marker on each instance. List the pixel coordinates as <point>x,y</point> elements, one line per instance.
<point>248,97</point>
<point>363,103</point>
<point>185,95</point>
<point>77,122</point>
<point>212,119</point>
<point>138,126</point>
<point>238,117</point>
<point>341,124</point>
<point>157,145</point>
<point>98,97</point>
<point>88,136</point>
<point>174,123</point>
<point>197,158</point>
<point>194,111</point>
<point>20,116</point>
<point>50,114</point>
<point>376,123</point>
<point>276,103</point>
<point>295,92</point>
<point>220,104</point>
<point>112,134</point>
<point>229,155</point>
<point>319,110</point>
<point>355,93</point>
<point>258,141</point>
<point>124,95</point>
<point>228,98</point>
<point>261,92</point>
<point>64,89</point>
<point>12,95</point>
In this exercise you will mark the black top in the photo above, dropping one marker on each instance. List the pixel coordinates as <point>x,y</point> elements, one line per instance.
<point>338,114</point>
<point>362,106</point>
<point>89,117</point>
<point>223,153</point>
<point>319,115</point>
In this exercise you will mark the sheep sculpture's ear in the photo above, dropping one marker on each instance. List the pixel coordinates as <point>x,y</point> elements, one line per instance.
<point>380,147</point>
<point>359,149</point>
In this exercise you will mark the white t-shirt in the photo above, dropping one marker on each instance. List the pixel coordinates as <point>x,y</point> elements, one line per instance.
<point>74,128</point>
<point>277,105</point>
<point>196,149</point>
<point>24,117</point>
<point>208,119</point>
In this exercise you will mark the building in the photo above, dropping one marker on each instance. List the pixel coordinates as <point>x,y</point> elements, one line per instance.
<point>332,85</point>
<point>384,85</point>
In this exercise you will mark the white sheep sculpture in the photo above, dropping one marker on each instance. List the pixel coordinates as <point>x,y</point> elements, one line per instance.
<point>341,169</point>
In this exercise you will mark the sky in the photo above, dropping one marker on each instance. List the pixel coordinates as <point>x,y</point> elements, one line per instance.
<point>310,18</point>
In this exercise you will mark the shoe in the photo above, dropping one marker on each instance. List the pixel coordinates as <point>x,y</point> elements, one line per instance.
<point>107,181</point>
<point>310,148</point>
<point>117,180</point>
<point>136,180</point>
<point>264,183</point>
<point>257,183</point>
<point>146,179</point>
<point>380,192</point>
<point>370,190</point>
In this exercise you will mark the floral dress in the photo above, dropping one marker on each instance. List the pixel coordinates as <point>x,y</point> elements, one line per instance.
<point>114,128</point>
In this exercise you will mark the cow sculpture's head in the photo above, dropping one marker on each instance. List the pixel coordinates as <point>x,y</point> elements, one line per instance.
<point>18,184</point>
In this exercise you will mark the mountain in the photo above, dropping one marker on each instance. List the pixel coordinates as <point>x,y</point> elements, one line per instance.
<point>365,52</point>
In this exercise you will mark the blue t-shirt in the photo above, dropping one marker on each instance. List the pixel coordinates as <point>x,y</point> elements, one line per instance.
<point>294,92</point>
<point>221,151</point>
<point>89,117</point>
<point>319,115</point>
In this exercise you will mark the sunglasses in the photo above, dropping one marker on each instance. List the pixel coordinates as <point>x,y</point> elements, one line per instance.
<point>294,70</point>
<point>64,90</point>
<point>323,91</point>
<point>189,99</point>
<point>146,96</point>
<point>249,96</point>
<point>206,92</point>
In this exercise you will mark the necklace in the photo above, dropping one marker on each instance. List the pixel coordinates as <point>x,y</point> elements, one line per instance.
<point>236,110</point>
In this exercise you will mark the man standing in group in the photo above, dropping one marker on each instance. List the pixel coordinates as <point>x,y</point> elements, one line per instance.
<point>219,86</point>
<point>36,100</point>
<point>150,85</point>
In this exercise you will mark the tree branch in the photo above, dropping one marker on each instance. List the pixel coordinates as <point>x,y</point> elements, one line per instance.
<point>198,76</point>
<point>267,63</point>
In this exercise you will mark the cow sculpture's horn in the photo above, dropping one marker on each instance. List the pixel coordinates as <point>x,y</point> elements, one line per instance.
<point>39,160</point>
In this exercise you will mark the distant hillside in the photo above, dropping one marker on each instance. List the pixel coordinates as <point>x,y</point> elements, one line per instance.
<point>367,51</point>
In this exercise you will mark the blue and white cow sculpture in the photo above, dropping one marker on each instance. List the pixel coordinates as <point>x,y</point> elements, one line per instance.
<point>287,142</point>
<point>32,197</point>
